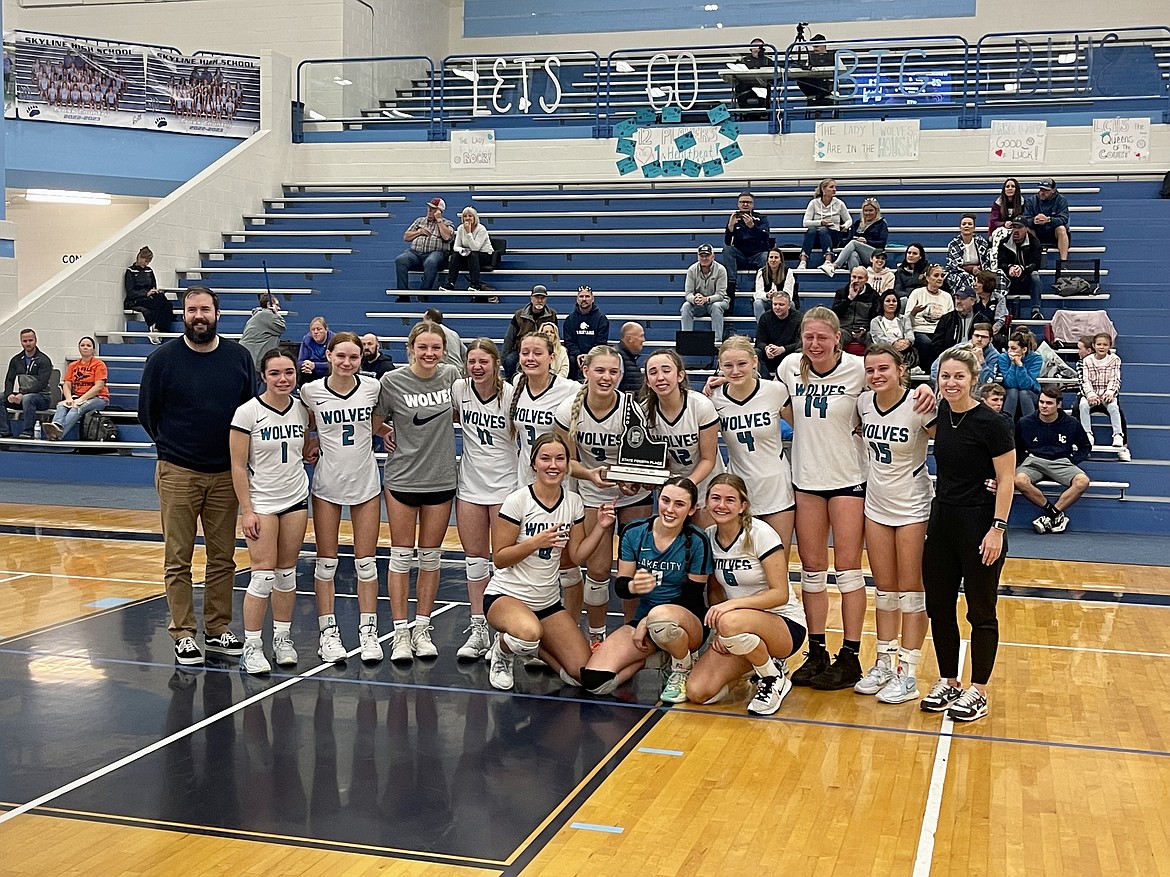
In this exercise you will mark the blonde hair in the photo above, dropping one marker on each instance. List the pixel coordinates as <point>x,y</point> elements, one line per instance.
<point>818,314</point>
<point>596,353</point>
<point>967,357</point>
<point>474,213</point>
<point>892,352</point>
<point>738,342</point>
<point>489,347</point>
<point>745,517</point>
<point>522,381</point>
<point>422,328</point>
<point>646,395</point>
<point>819,191</point>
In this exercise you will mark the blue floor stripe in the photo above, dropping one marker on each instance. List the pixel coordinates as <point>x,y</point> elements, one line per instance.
<point>109,602</point>
<point>589,826</point>
<point>650,750</point>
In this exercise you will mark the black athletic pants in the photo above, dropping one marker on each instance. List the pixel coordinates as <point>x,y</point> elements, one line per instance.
<point>952,556</point>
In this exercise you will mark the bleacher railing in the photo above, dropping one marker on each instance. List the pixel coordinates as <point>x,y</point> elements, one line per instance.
<point>352,92</point>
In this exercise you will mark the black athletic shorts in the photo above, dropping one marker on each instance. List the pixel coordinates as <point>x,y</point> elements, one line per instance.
<point>857,490</point>
<point>417,499</point>
<point>541,614</point>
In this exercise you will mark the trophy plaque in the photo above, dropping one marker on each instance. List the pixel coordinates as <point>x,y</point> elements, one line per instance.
<point>641,457</point>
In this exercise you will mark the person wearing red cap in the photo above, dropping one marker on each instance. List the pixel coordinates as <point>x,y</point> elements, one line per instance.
<point>430,240</point>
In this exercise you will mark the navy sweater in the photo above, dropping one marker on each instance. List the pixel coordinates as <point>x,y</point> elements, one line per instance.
<point>1064,438</point>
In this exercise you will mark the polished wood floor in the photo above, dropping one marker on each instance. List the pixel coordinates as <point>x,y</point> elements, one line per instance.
<point>1070,772</point>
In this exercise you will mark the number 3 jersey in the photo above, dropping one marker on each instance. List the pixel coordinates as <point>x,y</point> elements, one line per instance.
<point>899,490</point>
<point>535,580</point>
<point>755,451</point>
<point>534,417</point>
<point>277,480</point>
<point>487,466</point>
<point>346,473</point>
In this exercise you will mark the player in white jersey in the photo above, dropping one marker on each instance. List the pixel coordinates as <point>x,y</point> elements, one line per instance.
<point>897,508</point>
<point>268,473</point>
<point>341,408</point>
<point>593,422</point>
<point>761,622</point>
<point>487,475</point>
<point>685,420</point>
<point>536,525</point>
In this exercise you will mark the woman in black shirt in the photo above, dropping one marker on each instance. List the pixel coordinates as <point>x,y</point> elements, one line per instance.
<point>966,539</point>
<point>144,296</point>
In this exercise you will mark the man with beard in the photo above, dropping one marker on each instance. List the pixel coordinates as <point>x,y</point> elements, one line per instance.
<point>190,389</point>
<point>375,363</point>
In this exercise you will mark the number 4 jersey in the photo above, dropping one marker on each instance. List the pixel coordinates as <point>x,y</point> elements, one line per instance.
<point>276,474</point>
<point>755,451</point>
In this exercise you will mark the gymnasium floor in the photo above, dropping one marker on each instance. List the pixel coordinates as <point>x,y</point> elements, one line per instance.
<point>115,762</point>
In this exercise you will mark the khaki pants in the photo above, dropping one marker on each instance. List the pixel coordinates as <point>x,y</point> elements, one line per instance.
<point>186,497</point>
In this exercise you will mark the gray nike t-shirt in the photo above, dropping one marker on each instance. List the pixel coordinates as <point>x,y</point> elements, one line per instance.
<point>424,459</point>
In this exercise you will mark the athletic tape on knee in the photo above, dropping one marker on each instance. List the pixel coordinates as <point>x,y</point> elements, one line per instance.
<point>665,631</point>
<point>912,601</point>
<point>849,580</point>
<point>740,643</point>
<point>813,582</point>
<point>887,601</point>
<point>286,580</point>
<point>367,569</point>
<point>261,582</point>
<point>430,558</point>
<point>401,559</point>
<point>571,577</point>
<point>325,569</point>
<point>596,593</point>
<point>478,569</point>
<point>521,647</point>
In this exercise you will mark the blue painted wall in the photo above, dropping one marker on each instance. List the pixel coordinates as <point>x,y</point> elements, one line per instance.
<point>493,18</point>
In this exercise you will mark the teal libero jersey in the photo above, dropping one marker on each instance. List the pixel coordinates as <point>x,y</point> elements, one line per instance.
<point>688,555</point>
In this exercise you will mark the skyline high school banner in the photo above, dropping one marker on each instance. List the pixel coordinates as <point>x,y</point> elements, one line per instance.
<point>92,82</point>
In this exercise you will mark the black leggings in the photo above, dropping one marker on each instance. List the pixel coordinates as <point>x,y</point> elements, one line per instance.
<point>952,556</point>
<point>155,309</point>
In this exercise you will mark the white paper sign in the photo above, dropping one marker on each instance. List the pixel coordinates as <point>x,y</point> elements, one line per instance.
<point>1016,140</point>
<point>1120,140</point>
<point>656,143</point>
<point>866,141</point>
<point>473,149</point>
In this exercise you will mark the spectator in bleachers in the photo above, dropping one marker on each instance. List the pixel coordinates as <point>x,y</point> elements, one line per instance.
<point>774,277</point>
<point>706,293</point>
<point>890,326</point>
<point>26,386</point>
<point>472,246</point>
<point>826,220</point>
<point>143,295</point>
<point>311,357</point>
<point>777,333</point>
<point>868,235</point>
<point>454,351</point>
<point>375,361</point>
<point>956,326</point>
<point>992,395</point>
<point>528,319</point>
<point>991,305</point>
<point>1009,206</point>
<point>585,327</point>
<point>430,238</point>
<point>263,330</point>
<point>820,59</point>
<point>756,59</point>
<point>911,272</point>
<point>967,255</point>
<point>1100,388</point>
<point>855,304</point>
<point>880,277</point>
<point>84,390</point>
<point>629,348</point>
<point>1019,372</point>
<point>746,241</point>
<point>986,354</point>
<point>925,307</point>
<point>1017,259</point>
<point>1051,444</point>
<point>1046,213</point>
<point>560,363</point>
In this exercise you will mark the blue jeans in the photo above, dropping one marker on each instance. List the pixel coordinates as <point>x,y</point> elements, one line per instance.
<point>715,310</point>
<point>823,237</point>
<point>1030,284</point>
<point>732,259</point>
<point>30,404</point>
<point>429,263</point>
<point>1022,400</point>
<point>68,418</point>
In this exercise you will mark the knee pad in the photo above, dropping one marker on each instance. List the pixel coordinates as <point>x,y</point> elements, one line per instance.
<point>478,568</point>
<point>261,582</point>
<point>740,643</point>
<point>813,582</point>
<point>571,577</point>
<point>598,681</point>
<point>430,558</point>
<point>401,559</point>
<point>887,601</point>
<point>665,631</point>
<point>567,679</point>
<point>912,601</point>
<point>596,593</point>
<point>521,647</point>
<point>367,569</point>
<point>325,569</point>
<point>718,696</point>
<point>849,580</point>
<point>286,580</point>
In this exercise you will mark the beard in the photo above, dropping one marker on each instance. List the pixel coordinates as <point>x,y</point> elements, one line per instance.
<point>199,331</point>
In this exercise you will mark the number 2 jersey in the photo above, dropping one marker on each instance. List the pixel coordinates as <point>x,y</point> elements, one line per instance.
<point>899,490</point>
<point>755,451</point>
<point>741,572</point>
<point>535,580</point>
<point>487,465</point>
<point>346,473</point>
<point>682,438</point>
<point>277,480</point>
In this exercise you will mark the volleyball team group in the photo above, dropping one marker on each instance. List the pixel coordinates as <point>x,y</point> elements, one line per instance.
<point>702,561</point>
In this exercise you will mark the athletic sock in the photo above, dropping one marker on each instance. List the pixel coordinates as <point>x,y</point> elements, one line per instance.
<point>853,645</point>
<point>282,626</point>
<point>817,639</point>
<point>326,621</point>
<point>401,624</point>
<point>682,663</point>
<point>886,650</point>
<point>367,618</point>
<point>482,619</point>
<point>766,669</point>
<point>422,620</point>
<point>599,631</point>
<point>252,636</point>
<point>1051,510</point>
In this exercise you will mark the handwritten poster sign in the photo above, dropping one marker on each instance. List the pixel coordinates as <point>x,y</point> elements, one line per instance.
<point>862,141</point>
<point>1120,140</point>
<point>473,149</point>
<point>662,143</point>
<point>1014,141</point>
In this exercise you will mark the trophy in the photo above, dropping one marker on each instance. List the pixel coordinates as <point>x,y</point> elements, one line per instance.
<point>641,457</point>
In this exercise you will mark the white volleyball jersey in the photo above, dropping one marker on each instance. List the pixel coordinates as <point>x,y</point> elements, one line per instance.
<point>277,480</point>
<point>534,417</point>
<point>899,489</point>
<point>598,435</point>
<point>346,473</point>
<point>487,466</point>
<point>826,453</point>
<point>682,437</point>
<point>755,451</point>
<point>741,572</point>
<point>535,581</point>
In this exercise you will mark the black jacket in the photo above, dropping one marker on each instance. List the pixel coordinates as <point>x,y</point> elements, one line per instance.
<point>783,333</point>
<point>41,369</point>
<point>855,313</point>
<point>947,331</point>
<point>138,282</point>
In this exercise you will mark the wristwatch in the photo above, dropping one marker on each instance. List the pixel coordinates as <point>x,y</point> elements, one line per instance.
<point>998,524</point>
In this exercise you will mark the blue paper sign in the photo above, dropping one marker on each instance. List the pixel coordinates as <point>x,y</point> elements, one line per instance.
<point>627,166</point>
<point>626,128</point>
<point>652,169</point>
<point>625,146</point>
<point>672,168</point>
<point>671,115</point>
<point>718,114</point>
<point>731,152</point>
<point>683,142</point>
<point>730,130</point>
<point>691,168</point>
<point>713,168</point>
<point>645,115</point>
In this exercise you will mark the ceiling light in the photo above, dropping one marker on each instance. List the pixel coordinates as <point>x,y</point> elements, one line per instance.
<point>64,196</point>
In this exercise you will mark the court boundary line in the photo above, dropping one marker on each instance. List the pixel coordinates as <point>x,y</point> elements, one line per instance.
<point>57,625</point>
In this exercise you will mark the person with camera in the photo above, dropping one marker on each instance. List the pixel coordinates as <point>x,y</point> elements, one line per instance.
<point>746,242</point>
<point>263,330</point>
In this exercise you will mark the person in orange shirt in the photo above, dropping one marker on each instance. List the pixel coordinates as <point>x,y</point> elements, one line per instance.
<point>85,390</point>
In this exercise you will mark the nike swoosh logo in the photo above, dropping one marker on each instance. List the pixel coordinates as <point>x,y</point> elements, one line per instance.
<point>261,419</point>
<point>427,420</point>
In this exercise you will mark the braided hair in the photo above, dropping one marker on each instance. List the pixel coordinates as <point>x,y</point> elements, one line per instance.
<point>522,381</point>
<point>596,353</point>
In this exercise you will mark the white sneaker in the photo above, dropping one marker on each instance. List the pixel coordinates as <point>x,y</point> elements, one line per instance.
<point>875,680</point>
<point>900,689</point>
<point>478,642</point>
<point>770,693</point>
<point>1123,455</point>
<point>371,649</point>
<point>330,648</point>
<point>828,268</point>
<point>253,660</point>
<point>1119,441</point>
<point>500,668</point>
<point>420,641</point>
<point>283,650</point>
<point>400,650</point>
